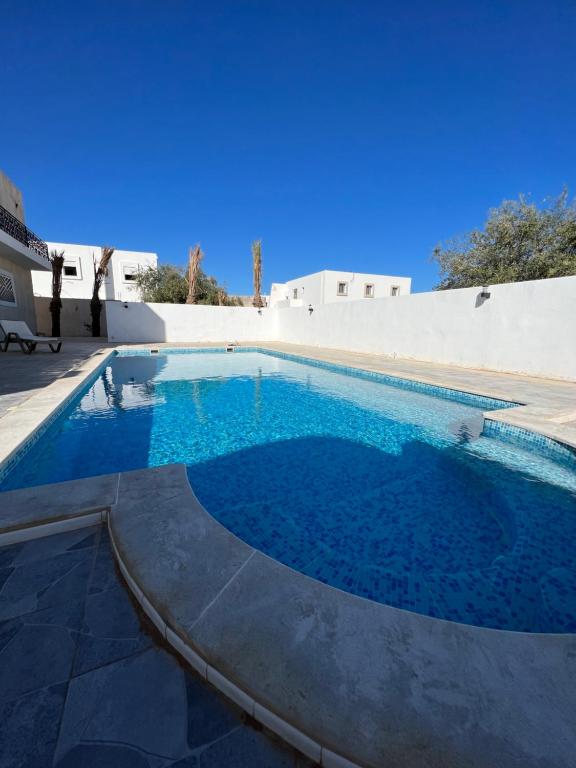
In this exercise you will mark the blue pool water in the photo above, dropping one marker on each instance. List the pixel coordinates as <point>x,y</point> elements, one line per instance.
<point>378,490</point>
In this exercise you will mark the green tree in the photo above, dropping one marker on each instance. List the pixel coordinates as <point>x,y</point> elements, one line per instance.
<point>168,284</point>
<point>520,241</point>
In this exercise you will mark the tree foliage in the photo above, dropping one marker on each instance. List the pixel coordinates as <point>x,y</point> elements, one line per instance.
<point>520,241</point>
<point>168,284</point>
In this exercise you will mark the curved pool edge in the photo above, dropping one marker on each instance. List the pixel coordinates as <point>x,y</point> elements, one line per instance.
<point>346,680</point>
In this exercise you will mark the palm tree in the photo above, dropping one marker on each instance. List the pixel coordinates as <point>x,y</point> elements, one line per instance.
<point>195,256</point>
<point>57,261</point>
<point>100,273</point>
<point>257,267</point>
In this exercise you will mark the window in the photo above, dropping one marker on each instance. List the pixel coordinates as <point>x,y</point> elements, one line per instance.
<point>395,290</point>
<point>295,293</point>
<point>129,273</point>
<point>342,289</point>
<point>7,289</point>
<point>71,269</point>
<point>369,291</point>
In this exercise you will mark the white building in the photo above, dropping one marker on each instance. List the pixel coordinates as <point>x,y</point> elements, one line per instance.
<point>78,273</point>
<point>330,286</point>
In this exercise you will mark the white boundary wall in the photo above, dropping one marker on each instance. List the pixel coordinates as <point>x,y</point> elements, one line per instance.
<point>140,322</point>
<point>525,327</point>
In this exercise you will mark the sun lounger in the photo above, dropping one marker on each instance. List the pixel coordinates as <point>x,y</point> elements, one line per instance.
<point>17,332</point>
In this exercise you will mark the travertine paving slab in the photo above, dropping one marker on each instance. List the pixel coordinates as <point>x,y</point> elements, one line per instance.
<point>390,687</point>
<point>57,501</point>
<point>178,554</point>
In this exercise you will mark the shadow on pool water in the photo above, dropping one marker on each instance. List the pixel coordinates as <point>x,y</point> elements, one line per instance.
<point>433,530</point>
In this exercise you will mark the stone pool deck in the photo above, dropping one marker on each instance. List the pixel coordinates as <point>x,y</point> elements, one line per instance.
<point>87,681</point>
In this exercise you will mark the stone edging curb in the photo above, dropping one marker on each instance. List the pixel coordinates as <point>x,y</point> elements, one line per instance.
<point>293,736</point>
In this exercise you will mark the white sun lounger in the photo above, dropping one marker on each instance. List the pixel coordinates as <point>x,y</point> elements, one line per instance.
<point>17,332</point>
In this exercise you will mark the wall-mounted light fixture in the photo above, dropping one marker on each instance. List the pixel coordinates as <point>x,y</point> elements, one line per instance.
<point>484,293</point>
<point>259,311</point>
<point>125,306</point>
<point>310,308</point>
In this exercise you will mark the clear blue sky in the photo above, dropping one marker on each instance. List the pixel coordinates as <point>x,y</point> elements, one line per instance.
<point>347,135</point>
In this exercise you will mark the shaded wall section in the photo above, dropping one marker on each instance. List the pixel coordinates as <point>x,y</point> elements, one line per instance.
<point>24,307</point>
<point>142,322</point>
<point>74,318</point>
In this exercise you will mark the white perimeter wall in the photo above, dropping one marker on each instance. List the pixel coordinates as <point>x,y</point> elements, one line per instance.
<point>523,327</point>
<point>141,322</point>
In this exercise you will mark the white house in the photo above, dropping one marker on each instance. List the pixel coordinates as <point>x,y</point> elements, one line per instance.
<point>331,286</point>
<point>78,273</point>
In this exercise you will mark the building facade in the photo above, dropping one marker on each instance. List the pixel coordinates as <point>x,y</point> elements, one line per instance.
<point>331,286</point>
<point>21,251</point>
<point>78,273</point>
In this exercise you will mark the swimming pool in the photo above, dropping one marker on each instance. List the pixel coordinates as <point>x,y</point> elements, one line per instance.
<point>379,489</point>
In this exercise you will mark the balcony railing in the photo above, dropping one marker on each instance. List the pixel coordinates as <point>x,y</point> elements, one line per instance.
<point>12,226</point>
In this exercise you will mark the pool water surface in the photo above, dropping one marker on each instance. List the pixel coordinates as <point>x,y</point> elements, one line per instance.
<point>382,491</point>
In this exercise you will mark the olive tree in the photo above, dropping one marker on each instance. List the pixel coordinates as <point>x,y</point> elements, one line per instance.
<point>520,241</point>
<point>169,284</point>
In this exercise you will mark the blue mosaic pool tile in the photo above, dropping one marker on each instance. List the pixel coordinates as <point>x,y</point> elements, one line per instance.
<point>544,446</point>
<point>558,587</point>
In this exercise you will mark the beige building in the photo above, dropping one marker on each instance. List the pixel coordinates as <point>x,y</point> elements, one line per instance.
<point>21,251</point>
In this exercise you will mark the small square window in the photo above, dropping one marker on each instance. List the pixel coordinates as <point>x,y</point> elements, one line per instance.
<point>129,273</point>
<point>70,270</point>
<point>395,290</point>
<point>7,289</point>
<point>369,291</point>
<point>342,289</point>
<point>295,293</point>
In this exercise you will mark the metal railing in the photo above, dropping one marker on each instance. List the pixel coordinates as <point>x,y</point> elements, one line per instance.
<point>14,227</point>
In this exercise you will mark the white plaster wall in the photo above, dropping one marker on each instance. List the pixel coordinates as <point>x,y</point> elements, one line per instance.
<point>525,327</point>
<point>522,328</point>
<point>83,257</point>
<point>141,322</point>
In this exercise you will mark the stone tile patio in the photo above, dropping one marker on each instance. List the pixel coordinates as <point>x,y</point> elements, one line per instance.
<point>87,682</point>
<point>22,376</point>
